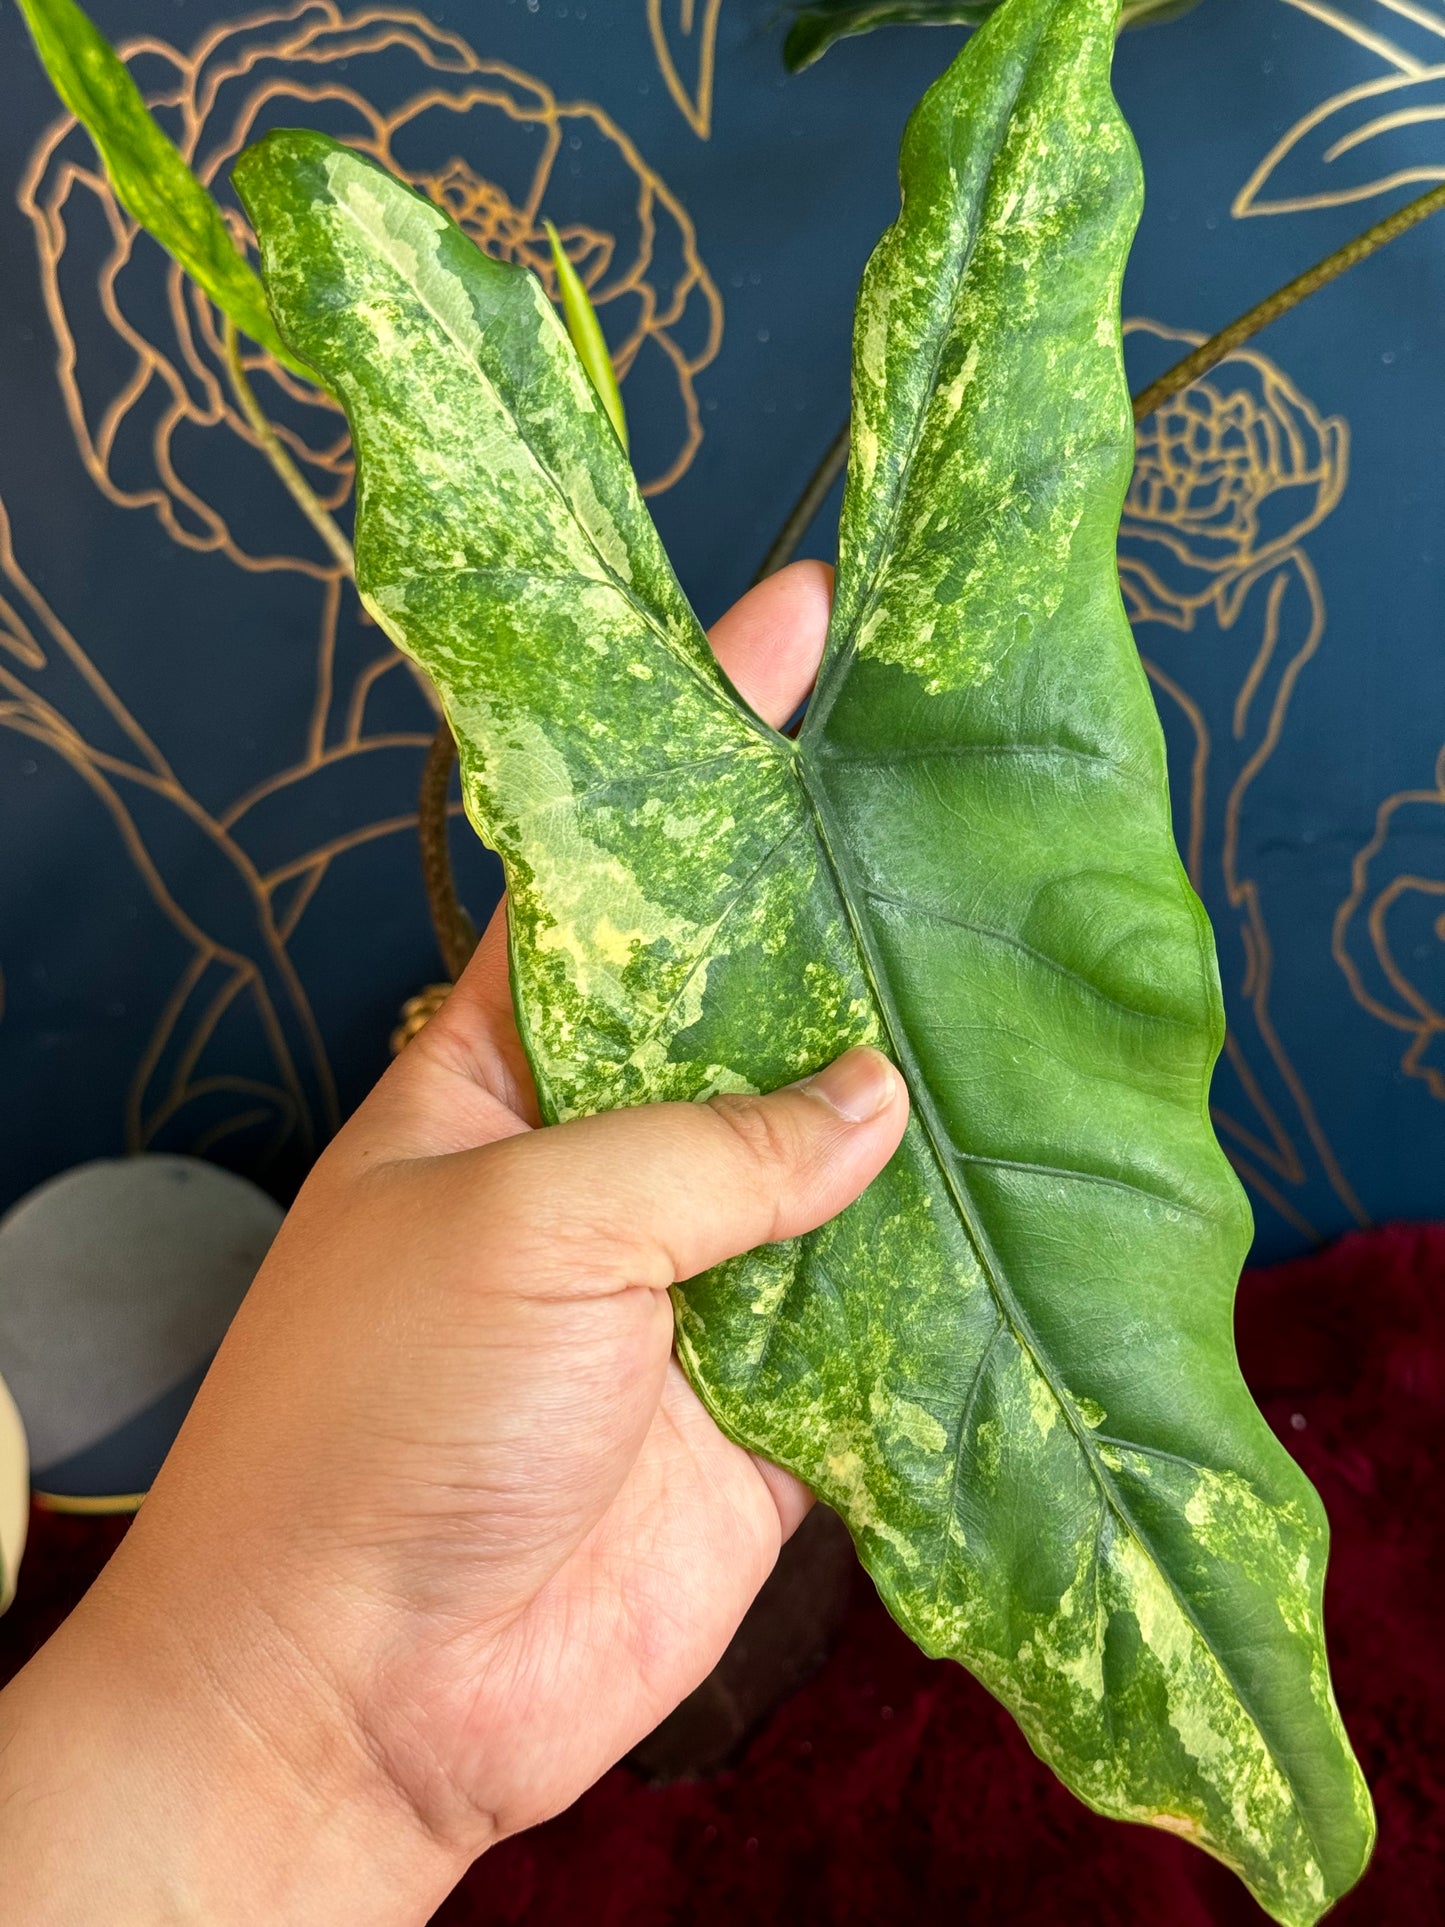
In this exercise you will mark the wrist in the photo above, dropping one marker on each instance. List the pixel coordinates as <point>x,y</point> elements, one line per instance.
<point>160,1764</point>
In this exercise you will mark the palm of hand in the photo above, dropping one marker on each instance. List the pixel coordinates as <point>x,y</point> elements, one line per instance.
<point>562,1539</point>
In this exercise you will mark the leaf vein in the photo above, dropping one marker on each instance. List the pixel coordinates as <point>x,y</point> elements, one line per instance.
<point>935,913</point>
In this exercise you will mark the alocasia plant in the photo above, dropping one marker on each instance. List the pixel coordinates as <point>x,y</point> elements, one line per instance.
<point>1010,1364</point>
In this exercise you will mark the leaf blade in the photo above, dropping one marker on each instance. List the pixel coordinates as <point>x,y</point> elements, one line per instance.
<point>698,904</point>
<point>151,178</point>
<point>977,604</point>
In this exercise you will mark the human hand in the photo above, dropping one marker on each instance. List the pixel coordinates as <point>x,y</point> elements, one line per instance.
<point>446,1531</point>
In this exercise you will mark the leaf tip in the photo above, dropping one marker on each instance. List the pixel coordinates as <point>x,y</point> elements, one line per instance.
<point>586,333</point>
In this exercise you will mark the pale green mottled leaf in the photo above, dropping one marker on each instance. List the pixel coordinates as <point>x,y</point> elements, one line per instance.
<point>815,28</point>
<point>149,175</point>
<point>1010,1365</point>
<point>586,334</point>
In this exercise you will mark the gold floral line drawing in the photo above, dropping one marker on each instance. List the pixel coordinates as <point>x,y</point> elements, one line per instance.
<point>1389,934</point>
<point>1385,132</point>
<point>414,97</point>
<point>684,39</point>
<point>140,363</point>
<point>1231,479</point>
<point>236,917</point>
<point>1381,133</point>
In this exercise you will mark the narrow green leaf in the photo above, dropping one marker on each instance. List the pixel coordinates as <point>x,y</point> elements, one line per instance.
<point>149,175</point>
<point>1010,1364</point>
<point>815,28</point>
<point>587,336</point>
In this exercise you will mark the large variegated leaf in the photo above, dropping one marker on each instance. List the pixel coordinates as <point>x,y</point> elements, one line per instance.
<point>1010,1364</point>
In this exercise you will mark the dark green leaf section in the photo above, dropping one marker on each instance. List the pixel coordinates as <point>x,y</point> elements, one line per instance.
<point>1010,1364</point>
<point>815,28</point>
<point>150,178</point>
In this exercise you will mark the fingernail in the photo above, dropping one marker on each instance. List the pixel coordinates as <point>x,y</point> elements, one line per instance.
<point>858,1086</point>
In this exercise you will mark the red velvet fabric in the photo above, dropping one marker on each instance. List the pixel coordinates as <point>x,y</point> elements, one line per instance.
<point>891,1789</point>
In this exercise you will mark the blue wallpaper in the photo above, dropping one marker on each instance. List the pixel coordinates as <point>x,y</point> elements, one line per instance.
<point>210,901</point>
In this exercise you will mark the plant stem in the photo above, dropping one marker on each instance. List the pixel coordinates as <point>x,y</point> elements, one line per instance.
<point>800,519</point>
<point>456,933</point>
<point>1210,353</point>
<point>299,489</point>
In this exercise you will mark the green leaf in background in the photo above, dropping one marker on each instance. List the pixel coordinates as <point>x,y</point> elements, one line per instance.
<point>1010,1365</point>
<point>815,28</point>
<point>586,333</point>
<point>149,175</point>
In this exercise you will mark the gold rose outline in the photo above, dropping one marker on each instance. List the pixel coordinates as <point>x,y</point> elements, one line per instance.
<point>316,34</point>
<point>170,1075</point>
<point>1182,556</point>
<point>1413,1011</point>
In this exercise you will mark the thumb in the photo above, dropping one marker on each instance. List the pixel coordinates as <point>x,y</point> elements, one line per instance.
<point>655,1195</point>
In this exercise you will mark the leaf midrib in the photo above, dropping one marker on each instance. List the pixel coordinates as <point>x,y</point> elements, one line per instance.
<point>850,890</point>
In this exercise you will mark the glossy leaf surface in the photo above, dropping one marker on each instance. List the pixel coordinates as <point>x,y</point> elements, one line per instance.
<point>815,28</point>
<point>1010,1364</point>
<point>149,174</point>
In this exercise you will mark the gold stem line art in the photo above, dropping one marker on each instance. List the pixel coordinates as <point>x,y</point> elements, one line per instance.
<point>1414,1013</point>
<point>699,36</point>
<point>325,686</point>
<point>1198,768</point>
<point>269,442</point>
<point>1242,894</point>
<point>1279,1152</point>
<point>1375,43</point>
<point>269,975</point>
<point>134,784</point>
<point>1420,15</point>
<point>304,496</point>
<point>1231,476</point>
<point>1366,124</point>
<point>325,759</point>
<point>308,880</point>
<point>1219,347</point>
